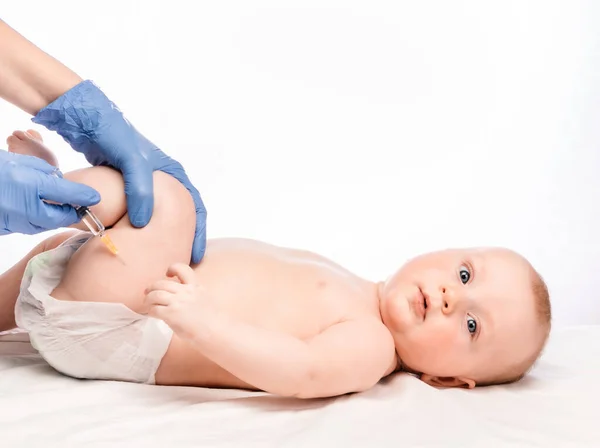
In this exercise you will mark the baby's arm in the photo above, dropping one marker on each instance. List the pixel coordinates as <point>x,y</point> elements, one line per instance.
<point>10,281</point>
<point>347,357</point>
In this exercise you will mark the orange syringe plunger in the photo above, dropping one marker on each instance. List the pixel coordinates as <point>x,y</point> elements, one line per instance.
<point>97,228</point>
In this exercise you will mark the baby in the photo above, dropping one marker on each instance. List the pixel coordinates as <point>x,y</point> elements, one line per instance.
<point>261,317</point>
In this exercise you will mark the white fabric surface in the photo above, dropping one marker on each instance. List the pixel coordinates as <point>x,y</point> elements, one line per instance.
<point>556,406</point>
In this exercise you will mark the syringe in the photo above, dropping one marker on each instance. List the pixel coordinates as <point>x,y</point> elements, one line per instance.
<point>96,227</point>
<point>92,222</point>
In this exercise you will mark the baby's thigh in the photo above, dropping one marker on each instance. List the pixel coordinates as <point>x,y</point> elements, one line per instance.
<point>96,275</point>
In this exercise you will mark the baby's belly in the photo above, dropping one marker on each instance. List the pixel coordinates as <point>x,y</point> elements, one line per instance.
<point>279,289</point>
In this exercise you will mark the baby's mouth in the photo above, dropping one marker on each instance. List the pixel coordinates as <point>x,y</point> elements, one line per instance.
<point>424,305</point>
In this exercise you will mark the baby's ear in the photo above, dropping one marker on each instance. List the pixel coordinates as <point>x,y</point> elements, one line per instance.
<point>448,381</point>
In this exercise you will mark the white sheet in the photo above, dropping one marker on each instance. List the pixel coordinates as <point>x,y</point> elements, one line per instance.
<point>556,406</point>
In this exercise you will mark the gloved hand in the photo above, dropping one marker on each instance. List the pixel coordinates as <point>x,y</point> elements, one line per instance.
<point>24,182</point>
<point>94,126</point>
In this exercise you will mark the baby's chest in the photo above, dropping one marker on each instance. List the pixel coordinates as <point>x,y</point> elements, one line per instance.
<point>303,314</point>
<point>299,305</point>
<point>279,289</point>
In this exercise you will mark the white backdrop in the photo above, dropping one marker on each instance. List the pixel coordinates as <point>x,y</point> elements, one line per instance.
<point>366,131</point>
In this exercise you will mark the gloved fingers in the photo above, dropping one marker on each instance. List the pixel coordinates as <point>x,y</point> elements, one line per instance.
<point>53,216</point>
<point>25,228</point>
<point>64,191</point>
<point>27,161</point>
<point>199,245</point>
<point>139,190</point>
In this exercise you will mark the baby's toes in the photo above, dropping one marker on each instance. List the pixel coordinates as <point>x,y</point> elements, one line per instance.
<point>13,143</point>
<point>20,135</point>
<point>28,143</point>
<point>34,134</point>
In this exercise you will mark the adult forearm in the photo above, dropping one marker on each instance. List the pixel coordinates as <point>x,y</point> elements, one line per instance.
<point>271,361</point>
<point>29,78</point>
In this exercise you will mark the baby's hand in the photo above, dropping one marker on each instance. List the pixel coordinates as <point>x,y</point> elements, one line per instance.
<point>178,301</point>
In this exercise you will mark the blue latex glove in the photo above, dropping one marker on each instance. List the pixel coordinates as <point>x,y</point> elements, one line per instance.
<point>94,126</point>
<point>24,182</point>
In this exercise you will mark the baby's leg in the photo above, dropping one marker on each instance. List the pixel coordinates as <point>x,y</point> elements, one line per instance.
<point>96,275</point>
<point>10,281</point>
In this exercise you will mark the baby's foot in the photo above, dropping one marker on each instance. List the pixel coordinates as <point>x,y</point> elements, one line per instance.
<point>30,143</point>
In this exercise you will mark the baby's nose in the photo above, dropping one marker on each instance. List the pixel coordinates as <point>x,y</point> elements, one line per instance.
<point>450,299</point>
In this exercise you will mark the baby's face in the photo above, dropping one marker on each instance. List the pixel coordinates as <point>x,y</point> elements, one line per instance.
<point>461,315</point>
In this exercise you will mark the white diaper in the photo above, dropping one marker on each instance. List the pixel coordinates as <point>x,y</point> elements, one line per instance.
<point>91,340</point>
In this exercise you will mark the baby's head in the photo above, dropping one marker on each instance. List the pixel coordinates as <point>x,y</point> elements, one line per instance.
<point>466,317</point>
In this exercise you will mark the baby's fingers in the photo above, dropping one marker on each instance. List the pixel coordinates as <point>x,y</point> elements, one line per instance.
<point>183,272</point>
<point>164,285</point>
<point>158,312</point>
<point>158,297</point>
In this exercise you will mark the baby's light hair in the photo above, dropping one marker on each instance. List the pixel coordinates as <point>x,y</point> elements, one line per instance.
<point>543,312</point>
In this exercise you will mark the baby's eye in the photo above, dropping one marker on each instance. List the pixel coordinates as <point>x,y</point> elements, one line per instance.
<point>465,274</point>
<point>471,325</point>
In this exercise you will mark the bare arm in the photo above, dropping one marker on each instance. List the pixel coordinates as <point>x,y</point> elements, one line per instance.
<point>348,357</point>
<point>10,281</point>
<point>30,78</point>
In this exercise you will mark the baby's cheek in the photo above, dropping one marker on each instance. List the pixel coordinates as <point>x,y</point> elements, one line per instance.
<point>440,343</point>
<point>434,351</point>
<point>439,332</point>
